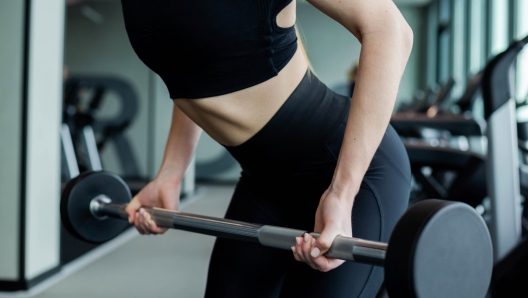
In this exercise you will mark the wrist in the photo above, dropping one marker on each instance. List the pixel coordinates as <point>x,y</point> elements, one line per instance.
<point>345,190</point>
<point>168,176</point>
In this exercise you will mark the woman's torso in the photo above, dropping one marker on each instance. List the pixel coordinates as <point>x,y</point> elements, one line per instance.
<point>229,65</point>
<point>233,118</point>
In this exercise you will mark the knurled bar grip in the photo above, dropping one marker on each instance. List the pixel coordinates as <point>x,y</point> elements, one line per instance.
<point>345,248</point>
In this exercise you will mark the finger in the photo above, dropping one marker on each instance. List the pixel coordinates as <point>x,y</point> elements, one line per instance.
<point>144,220</point>
<point>325,264</point>
<point>141,222</point>
<point>132,208</point>
<point>323,243</point>
<point>321,263</point>
<point>151,224</point>
<point>154,228</point>
<point>298,248</point>
<point>138,225</point>
<point>295,255</point>
<point>307,248</point>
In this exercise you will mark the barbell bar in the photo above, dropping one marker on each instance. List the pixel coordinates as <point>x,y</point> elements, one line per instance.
<point>437,249</point>
<point>345,248</point>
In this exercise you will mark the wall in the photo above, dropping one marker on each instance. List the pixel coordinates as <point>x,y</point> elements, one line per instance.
<point>97,44</point>
<point>11,58</point>
<point>333,50</point>
<point>44,97</point>
<point>30,111</point>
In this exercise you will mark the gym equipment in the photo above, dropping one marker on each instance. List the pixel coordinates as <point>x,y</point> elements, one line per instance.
<point>443,100</point>
<point>83,98</point>
<point>465,103</point>
<point>502,173</point>
<point>432,97</point>
<point>419,98</point>
<point>437,249</point>
<point>69,166</point>
<point>455,173</point>
<point>91,133</point>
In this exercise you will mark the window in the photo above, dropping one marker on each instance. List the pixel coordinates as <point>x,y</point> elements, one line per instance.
<point>444,41</point>
<point>498,26</point>
<point>476,40</point>
<point>520,31</point>
<point>458,46</point>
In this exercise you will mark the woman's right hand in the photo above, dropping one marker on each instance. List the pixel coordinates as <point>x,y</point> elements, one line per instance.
<point>160,192</point>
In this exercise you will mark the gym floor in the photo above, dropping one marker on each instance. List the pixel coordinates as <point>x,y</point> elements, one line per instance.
<point>174,264</point>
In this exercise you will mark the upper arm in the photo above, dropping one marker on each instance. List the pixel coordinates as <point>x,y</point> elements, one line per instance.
<point>363,16</point>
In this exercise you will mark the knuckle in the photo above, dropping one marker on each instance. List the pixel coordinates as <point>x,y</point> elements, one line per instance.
<point>324,245</point>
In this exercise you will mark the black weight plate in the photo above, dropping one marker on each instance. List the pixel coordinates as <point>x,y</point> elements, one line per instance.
<point>439,249</point>
<point>75,206</point>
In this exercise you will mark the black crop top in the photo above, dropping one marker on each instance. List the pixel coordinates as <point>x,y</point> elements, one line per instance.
<point>204,48</point>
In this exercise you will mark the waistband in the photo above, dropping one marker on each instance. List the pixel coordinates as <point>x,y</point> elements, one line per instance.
<point>294,135</point>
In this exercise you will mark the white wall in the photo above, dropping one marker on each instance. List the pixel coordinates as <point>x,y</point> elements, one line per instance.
<point>11,55</point>
<point>43,142</point>
<point>42,173</point>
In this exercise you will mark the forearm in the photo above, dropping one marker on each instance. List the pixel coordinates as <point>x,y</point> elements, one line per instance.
<point>183,138</point>
<point>383,57</point>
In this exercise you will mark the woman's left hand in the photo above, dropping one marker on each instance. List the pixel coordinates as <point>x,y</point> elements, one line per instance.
<point>333,217</point>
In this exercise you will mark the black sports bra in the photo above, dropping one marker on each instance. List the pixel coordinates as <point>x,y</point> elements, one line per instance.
<point>204,48</point>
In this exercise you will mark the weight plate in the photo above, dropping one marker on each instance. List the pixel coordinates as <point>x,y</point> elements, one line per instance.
<point>75,206</point>
<point>439,249</point>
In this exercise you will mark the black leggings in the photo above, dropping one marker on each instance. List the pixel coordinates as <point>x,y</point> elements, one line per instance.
<point>287,166</point>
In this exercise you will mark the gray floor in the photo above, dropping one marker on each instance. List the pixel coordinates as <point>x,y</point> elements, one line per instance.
<point>171,265</point>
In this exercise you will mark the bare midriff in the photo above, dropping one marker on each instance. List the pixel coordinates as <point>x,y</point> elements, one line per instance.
<point>231,119</point>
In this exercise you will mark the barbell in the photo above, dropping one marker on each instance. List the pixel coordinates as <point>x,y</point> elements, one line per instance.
<point>437,249</point>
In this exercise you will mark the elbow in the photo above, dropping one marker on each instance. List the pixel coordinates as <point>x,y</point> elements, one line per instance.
<point>402,38</point>
<point>391,28</point>
<point>407,37</point>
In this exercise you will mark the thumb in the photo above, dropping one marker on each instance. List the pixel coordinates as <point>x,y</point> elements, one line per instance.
<point>323,242</point>
<point>132,208</point>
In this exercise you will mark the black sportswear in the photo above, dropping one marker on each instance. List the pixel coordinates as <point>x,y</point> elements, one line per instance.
<point>204,48</point>
<point>286,168</point>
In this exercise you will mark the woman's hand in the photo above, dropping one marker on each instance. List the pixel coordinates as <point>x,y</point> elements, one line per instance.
<point>333,217</point>
<point>162,193</point>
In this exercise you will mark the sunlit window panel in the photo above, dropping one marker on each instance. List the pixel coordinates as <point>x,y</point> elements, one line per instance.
<point>476,36</point>
<point>458,46</point>
<point>444,41</point>
<point>498,30</point>
<point>432,45</point>
<point>521,31</point>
